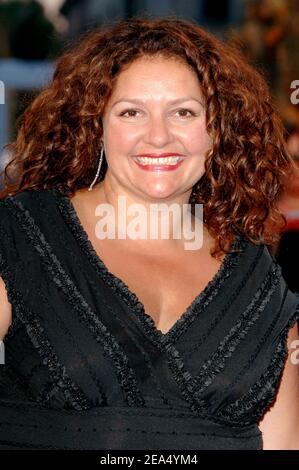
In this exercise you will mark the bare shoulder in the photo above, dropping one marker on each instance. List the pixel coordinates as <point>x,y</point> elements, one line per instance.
<point>280,424</point>
<point>5,310</point>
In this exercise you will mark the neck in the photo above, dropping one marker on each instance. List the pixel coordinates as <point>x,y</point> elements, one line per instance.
<point>159,223</point>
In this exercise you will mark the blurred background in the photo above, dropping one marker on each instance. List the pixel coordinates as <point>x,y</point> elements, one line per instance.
<point>33,33</point>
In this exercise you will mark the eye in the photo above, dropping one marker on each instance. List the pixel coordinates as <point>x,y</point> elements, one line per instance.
<point>184,111</point>
<point>131,111</point>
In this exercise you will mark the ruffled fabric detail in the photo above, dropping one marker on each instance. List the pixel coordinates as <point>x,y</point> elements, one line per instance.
<point>37,335</point>
<point>11,296</point>
<point>70,215</point>
<point>164,342</point>
<point>225,311</point>
<point>60,380</point>
<point>216,363</point>
<point>252,405</point>
<point>188,384</point>
<point>242,412</point>
<point>130,298</point>
<point>125,373</point>
<point>44,212</point>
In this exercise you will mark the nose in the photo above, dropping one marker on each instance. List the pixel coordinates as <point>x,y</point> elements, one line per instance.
<point>158,132</point>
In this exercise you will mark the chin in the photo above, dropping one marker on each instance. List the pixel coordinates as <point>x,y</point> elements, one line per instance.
<point>158,196</point>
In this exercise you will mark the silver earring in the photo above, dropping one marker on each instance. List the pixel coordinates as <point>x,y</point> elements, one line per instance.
<point>98,170</point>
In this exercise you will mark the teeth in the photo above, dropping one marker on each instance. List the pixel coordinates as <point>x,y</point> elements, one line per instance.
<point>158,161</point>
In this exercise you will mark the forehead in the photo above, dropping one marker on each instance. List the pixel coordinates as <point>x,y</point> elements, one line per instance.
<point>156,76</point>
<point>151,64</point>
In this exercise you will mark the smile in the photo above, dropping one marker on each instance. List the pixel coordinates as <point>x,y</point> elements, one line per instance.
<point>159,164</point>
<point>158,161</point>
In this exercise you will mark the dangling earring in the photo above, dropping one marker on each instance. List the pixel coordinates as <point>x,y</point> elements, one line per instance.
<point>194,194</point>
<point>98,170</point>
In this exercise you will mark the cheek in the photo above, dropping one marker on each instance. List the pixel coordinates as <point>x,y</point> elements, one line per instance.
<point>120,134</point>
<point>198,140</point>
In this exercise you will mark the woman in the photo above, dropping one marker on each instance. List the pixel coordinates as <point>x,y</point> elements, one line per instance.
<point>123,343</point>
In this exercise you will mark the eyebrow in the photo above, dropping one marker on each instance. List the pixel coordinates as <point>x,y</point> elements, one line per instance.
<point>178,100</point>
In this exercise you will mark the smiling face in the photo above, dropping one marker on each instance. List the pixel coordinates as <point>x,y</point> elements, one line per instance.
<point>156,107</point>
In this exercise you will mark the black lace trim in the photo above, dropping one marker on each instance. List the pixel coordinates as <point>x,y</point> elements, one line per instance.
<point>256,351</point>
<point>74,396</point>
<point>39,340</point>
<point>7,277</point>
<point>182,377</point>
<point>102,398</point>
<point>125,373</point>
<point>8,281</point>
<point>130,298</point>
<point>70,215</point>
<point>212,289</point>
<point>216,363</point>
<point>148,362</point>
<point>251,406</point>
<point>40,202</point>
<point>189,385</point>
<point>220,316</point>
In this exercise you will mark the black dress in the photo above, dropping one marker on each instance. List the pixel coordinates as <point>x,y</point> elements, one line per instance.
<point>86,368</point>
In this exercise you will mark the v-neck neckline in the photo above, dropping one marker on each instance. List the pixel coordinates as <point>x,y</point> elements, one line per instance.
<point>229,263</point>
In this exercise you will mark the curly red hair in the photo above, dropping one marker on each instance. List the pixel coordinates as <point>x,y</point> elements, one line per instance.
<point>59,139</point>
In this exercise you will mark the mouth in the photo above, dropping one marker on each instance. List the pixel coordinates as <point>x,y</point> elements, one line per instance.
<point>159,163</point>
